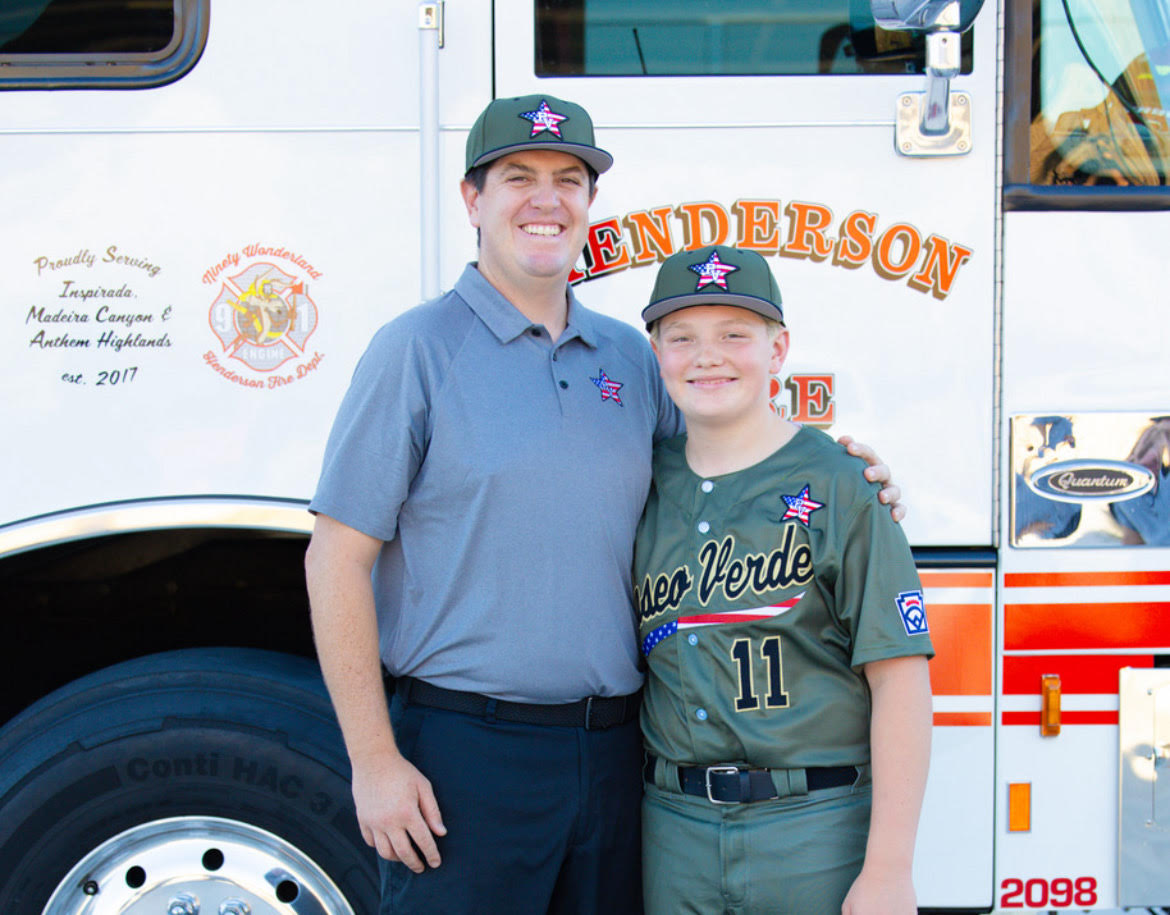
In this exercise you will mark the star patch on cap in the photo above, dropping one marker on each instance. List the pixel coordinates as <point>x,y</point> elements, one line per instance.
<point>800,507</point>
<point>609,389</point>
<point>544,118</point>
<point>712,270</point>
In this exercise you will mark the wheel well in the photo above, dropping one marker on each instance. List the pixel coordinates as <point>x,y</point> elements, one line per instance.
<point>80,606</point>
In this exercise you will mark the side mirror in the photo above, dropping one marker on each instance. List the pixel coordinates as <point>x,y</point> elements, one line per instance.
<point>925,126</point>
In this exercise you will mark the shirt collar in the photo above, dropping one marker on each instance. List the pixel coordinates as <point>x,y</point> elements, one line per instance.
<point>506,321</point>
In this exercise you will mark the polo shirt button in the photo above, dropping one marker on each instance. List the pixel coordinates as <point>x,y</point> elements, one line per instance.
<point>535,331</point>
<point>704,527</point>
<point>564,384</point>
<point>707,486</point>
<point>692,639</point>
<point>701,714</point>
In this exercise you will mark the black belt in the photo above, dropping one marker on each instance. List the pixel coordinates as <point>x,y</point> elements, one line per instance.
<point>736,785</point>
<point>593,713</point>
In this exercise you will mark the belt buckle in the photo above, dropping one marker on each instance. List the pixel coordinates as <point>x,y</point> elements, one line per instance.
<point>731,770</point>
<point>588,712</point>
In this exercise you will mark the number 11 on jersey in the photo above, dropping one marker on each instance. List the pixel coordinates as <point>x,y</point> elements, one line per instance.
<point>776,696</point>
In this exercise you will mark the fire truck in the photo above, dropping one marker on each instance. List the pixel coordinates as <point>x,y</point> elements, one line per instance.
<point>210,207</point>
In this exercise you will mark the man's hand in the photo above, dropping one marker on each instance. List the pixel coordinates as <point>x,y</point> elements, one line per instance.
<point>877,472</point>
<point>397,811</point>
<point>880,893</point>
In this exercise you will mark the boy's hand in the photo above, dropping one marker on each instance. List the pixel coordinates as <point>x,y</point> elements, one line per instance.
<point>880,893</point>
<point>877,472</point>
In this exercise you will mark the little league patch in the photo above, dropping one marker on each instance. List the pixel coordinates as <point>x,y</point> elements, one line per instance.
<point>912,608</point>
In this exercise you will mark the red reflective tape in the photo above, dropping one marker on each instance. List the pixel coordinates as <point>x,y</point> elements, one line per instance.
<point>1066,718</point>
<point>1078,673</point>
<point>1116,625</point>
<point>1083,579</point>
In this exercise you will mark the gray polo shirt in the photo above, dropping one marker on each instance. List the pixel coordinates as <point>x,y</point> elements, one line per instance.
<point>506,475</point>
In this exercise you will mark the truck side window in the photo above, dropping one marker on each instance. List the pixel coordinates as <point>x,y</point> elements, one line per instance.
<point>60,44</point>
<point>1100,82</point>
<point>733,37</point>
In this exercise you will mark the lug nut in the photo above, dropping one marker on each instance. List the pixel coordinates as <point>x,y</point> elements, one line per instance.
<point>183,904</point>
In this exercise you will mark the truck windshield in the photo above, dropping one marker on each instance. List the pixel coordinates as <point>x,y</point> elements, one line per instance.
<point>720,37</point>
<point>1101,79</point>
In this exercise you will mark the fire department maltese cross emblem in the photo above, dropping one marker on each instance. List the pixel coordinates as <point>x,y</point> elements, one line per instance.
<point>544,118</point>
<point>800,507</point>
<point>713,270</point>
<point>609,389</point>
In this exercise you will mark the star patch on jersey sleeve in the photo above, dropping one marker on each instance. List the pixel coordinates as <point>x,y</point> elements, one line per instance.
<point>544,118</point>
<point>912,608</point>
<point>609,389</point>
<point>800,507</point>
<point>712,270</point>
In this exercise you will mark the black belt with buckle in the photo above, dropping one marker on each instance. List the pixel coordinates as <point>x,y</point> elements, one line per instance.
<point>593,713</point>
<point>735,785</point>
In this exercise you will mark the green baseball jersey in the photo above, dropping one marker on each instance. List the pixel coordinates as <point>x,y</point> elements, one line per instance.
<point>760,595</point>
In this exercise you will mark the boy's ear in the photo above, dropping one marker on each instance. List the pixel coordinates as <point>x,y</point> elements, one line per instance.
<point>779,351</point>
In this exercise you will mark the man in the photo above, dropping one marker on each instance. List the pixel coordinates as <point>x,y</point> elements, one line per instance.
<point>487,468</point>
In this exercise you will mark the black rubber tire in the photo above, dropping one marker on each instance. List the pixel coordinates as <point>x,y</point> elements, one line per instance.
<point>235,733</point>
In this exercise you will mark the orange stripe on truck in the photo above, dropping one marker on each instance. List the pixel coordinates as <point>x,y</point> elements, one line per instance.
<point>962,719</point>
<point>961,634</point>
<point>955,579</point>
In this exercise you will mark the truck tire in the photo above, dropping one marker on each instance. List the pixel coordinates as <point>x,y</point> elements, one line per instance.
<point>211,778</point>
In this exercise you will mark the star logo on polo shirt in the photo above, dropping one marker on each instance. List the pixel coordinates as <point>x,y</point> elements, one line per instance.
<point>713,270</point>
<point>800,507</point>
<point>609,389</point>
<point>544,118</point>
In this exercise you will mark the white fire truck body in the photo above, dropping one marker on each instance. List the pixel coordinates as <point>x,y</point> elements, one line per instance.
<point>192,269</point>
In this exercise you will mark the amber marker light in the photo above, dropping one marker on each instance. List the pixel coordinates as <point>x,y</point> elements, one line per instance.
<point>1019,806</point>
<point>1049,705</point>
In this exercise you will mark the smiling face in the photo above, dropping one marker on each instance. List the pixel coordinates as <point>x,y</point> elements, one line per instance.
<point>533,216</point>
<point>717,361</point>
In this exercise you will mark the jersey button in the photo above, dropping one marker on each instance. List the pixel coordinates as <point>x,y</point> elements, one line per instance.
<point>706,486</point>
<point>704,527</point>
<point>563,383</point>
<point>701,714</point>
<point>692,639</point>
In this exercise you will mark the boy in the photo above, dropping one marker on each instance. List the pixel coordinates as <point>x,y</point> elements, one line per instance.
<point>777,604</point>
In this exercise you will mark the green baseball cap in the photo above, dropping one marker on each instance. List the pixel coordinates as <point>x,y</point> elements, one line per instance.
<point>509,125</point>
<point>714,275</point>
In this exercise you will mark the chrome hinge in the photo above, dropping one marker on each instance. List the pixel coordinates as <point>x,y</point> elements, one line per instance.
<point>912,140</point>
